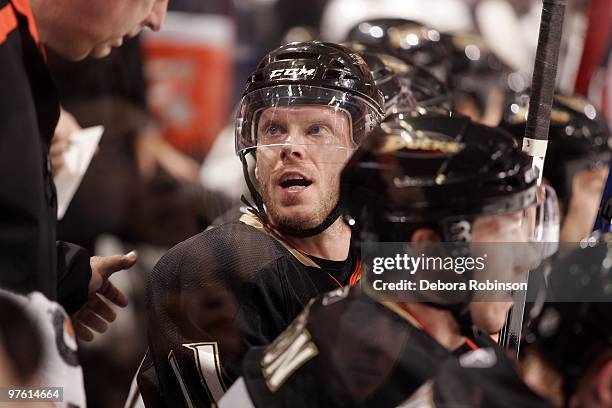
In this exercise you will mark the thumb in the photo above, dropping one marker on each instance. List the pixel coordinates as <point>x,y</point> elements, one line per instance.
<point>107,265</point>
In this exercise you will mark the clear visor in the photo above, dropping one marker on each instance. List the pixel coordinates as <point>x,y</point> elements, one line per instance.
<point>490,265</point>
<point>303,115</point>
<point>537,223</point>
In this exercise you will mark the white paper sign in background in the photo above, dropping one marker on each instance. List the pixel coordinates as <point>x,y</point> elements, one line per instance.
<point>83,145</point>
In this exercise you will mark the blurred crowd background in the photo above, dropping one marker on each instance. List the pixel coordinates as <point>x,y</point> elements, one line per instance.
<point>166,166</point>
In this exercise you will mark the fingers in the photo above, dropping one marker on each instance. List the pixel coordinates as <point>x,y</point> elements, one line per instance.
<point>112,293</point>
<point>107,265</point>
<point>88,318</point>
<point>59,146</point>
<point>82,332</point>
<point>95,316</point>
<point>57,164</point>
<point>100,307</point>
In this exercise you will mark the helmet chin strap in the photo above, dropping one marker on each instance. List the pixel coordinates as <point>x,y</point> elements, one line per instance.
<point>258,209</point>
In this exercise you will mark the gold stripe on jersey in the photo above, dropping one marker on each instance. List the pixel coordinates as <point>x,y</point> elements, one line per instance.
<point>403,314</point>
<point>254,222</point>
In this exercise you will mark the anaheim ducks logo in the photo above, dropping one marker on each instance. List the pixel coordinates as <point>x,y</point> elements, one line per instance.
<point>461,42</point>
<point>520,113</point>
<point>358,59</point>
<point>422,144</point>
<point>396,64</point>
<point>578,104</point>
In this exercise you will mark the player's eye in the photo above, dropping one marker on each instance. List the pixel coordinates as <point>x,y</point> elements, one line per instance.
<point>317,130</point>
<point>273,130</point>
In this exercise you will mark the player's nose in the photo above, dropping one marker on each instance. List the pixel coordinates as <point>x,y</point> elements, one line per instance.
<point>156,17</point>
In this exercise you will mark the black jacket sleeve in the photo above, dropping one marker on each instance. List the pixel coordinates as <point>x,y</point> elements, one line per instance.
<point>74,274</point>
<point>28,114</point>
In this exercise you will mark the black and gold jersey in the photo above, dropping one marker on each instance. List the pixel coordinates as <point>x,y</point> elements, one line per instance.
<point>344,350</point>
<point>480,378</point>
<point>217,295</point>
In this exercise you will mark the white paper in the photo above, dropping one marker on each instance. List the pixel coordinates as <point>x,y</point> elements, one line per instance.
<point>83,145</point>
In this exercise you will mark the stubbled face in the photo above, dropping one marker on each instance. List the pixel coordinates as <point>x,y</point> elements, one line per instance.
<point>301,152</point>
<point>503,262</point>
<point>76,29</point>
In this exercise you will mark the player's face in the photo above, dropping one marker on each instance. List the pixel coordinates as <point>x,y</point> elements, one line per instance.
<point>587,188</point>
<point>77,29</point>
<point>300,154</point>
<point>502,236</point>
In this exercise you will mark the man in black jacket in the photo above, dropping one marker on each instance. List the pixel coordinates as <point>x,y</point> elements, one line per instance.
<point>30,257</point>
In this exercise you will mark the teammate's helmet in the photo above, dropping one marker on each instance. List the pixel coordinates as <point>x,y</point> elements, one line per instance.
<point>433,170</point>
<point>310,73</point>
<point>406,39</point>
<point>578,134</point>
<point>386,71</point>
<point>574,326</point>
<point>473,69</point>
<point>440,172</point>
<point>426,90</point>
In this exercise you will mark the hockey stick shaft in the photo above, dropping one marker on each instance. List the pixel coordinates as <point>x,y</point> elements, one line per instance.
<point>535,141</point>
<point>543,83</point>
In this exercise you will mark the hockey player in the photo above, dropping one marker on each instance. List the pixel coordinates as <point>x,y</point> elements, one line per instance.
<point>568,348</point>
<point>566,357</point>
<point>576,160</point>
<point>477,78</point>
<point>239,285</point>
<point>387,72</point>
<point>406,39</point>
<point>426,179</point>
<point>426,90</point>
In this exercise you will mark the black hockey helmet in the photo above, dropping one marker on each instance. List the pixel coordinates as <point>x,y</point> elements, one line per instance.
<point>406,39</point>
<point>437,171</point>
<point>310,73</point>
<point>386,71</point>
<point>307,74</point>
<point>579,138</point>
<point>440,169</point>
<point>426,89</point>
<point>473,69</point>
<point>574,326</point>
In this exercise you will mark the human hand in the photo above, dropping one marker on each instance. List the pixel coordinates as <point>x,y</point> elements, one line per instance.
<point>96,313</point>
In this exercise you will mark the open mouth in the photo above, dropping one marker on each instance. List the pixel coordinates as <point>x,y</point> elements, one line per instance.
<point>294,182</point>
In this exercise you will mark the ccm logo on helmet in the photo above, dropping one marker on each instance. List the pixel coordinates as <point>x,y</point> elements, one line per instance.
<point>293,73</point>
